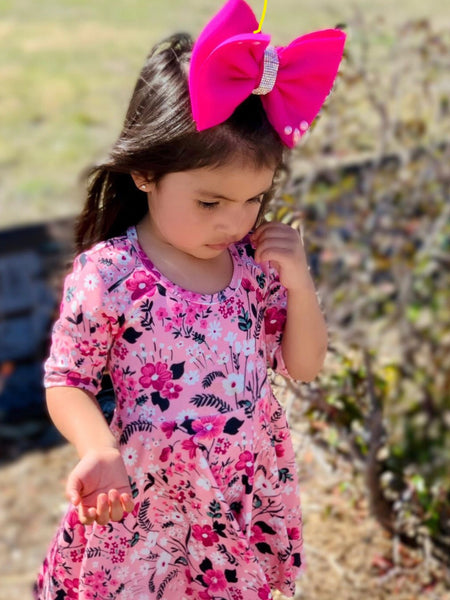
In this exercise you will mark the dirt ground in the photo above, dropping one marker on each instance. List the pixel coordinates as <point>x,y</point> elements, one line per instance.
<point>349,556</point>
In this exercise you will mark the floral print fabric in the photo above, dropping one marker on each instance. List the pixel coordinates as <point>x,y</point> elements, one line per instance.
<point>205,443</point>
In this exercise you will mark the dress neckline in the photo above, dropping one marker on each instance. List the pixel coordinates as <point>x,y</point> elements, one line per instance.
<point>197,297</point>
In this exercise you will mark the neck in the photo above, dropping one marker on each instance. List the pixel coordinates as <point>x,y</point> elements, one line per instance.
<point>203,276</point>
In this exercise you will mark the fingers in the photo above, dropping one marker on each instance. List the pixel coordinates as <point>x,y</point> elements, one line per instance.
<point>110,507</point>
<point>127,502</point>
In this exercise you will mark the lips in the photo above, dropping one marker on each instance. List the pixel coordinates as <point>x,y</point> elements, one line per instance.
<point>220,245</point>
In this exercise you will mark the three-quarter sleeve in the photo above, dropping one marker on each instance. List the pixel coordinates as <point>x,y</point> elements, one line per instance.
<point>82,335</point>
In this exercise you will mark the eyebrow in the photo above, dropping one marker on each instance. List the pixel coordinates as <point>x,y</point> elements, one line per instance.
<point>222,197</point>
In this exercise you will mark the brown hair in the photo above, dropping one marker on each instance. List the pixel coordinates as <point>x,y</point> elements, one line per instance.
<point>159,137</point>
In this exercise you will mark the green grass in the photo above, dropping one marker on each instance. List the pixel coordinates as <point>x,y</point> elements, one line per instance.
<point>67,68</point>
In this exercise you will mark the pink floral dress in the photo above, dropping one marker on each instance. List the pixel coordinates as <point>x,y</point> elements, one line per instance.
<point>206,444</point>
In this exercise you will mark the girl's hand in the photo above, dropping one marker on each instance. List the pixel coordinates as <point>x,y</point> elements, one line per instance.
<point>283,247</point>
<point>99,486</point>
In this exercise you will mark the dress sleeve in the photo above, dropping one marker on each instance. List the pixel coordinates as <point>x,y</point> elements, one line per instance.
<point>82,335</point>
<point>274,321</point>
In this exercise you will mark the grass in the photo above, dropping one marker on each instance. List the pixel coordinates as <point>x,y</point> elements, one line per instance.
<point>67,68</point>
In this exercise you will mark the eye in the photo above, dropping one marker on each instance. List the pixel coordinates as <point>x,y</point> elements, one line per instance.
<point>207,205</point>
<point>256,200</point>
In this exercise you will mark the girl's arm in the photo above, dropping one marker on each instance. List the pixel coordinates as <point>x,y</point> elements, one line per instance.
<point>305,341</point>
<point>99,484</point>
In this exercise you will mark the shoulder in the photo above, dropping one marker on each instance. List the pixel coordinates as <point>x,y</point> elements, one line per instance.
<point>111,260</point>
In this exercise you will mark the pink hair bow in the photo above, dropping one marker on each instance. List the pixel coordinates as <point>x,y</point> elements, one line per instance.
<point>229,62</point>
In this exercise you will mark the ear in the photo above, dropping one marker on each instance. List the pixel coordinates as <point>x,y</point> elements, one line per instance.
<point>141,181</point>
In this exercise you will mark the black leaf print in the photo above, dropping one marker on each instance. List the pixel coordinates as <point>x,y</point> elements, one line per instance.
<point>253,307</point>
<point>257,503</point>
<point>134,427</point>
<point>232,426</point>
<point>199,338</point>
<point>161,289</point>
<point>219,528</point>
<point>248,486</point>
<point>121,320</point>
<point>259,323</point>
<point>133,486</point>
<point>214,510</point>
<point>264,548</point>
<point>296,559</point>
<point>181,561</point>
<point>78,319</point>
<point>67,537</point>
<point>206,565</point>
<point>265,528</point>
<point>211,401</point>
<point>150,482</point>
<point>177,370</point>
<point>130,335</point>
<point>230,575</point>
<point>284,475</point>
<point>207,381</point>
<point>157,399</point>
<point>134,539</point>
<point>244,321</point>
<point>261,279</point>
<point>144,521</point>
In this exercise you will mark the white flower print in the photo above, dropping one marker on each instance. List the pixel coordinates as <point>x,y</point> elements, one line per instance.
<point>233,384</point>
<point>215,330</point>
<point>191,377</point>
<point>129,456</point>
<point>238,347</point>
<point>150,542</point>
<point>80,296</point>
<point>230,337</point>
<point>248,347</point>
<point>218,559</point>
<point>187,414</point>
<point>223,359</point>
<point>250,366</point>
<point>204,483</point>
<point>91,282</point>
<point>162,564</point>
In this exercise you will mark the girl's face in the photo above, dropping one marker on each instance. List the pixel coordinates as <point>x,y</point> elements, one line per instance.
<point>202,211</point>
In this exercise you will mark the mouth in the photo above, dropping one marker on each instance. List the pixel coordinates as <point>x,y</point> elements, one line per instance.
<point>221,246</point>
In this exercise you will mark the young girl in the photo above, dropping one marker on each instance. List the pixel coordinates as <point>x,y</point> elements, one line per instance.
<point>184,295</point>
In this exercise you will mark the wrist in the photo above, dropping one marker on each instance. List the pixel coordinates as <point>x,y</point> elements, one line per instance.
<point>107,447</point>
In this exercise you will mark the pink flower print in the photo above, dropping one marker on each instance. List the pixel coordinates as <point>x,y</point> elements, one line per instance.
<point>171,390</point>
<point>293,533</point>
<point>247,285</point>
<point>205,534</point>
<point>165,453</point>
<point>264,593</point>
<point>178,308</point>
<point>85,347</point>
<point>155,375</point>
<point>259,296</point>
<point>168,427</point>
<point>274,319</point>
<point>246,462</point>
<point>203,324</point>
<point>208,428</point>
<point>140,284</point>
<point>72,588</point>
<point>215,580</point>
<point>75,379</point>
<point>279,450</point>
<point>162,313</point>
<point>257,535</point>
<point>190,446</point>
